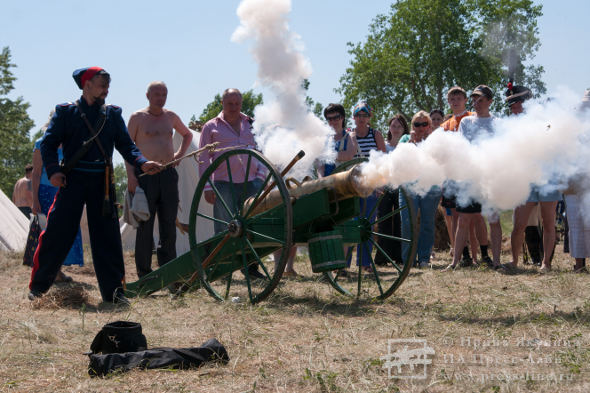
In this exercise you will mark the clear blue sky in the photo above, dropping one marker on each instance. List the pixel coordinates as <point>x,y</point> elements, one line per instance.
<point>187,45</point>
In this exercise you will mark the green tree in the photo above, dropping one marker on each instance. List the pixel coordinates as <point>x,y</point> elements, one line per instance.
<point>249,101</point>
<point>15,146</point>
<point>316,107</point>
<point>422,47</point>
<point>120,175</point>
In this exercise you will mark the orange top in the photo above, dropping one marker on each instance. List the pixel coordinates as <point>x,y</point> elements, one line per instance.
<point>453,123</point>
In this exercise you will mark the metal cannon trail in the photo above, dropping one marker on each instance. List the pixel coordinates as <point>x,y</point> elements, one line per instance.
<point>330,215</point>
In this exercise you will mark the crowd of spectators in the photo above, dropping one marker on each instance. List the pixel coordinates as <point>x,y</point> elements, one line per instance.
<point>464,221</point>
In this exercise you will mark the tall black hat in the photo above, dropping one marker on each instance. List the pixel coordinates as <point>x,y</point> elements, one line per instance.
<point>516,94</point>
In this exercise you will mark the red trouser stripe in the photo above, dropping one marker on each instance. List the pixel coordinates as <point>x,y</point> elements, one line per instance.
<point>36,256</point>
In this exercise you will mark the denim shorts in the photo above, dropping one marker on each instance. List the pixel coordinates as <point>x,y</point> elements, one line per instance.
<point>539,195</point>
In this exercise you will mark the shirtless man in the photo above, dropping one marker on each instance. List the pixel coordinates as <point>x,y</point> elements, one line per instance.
<point>22,195</point>
<point>151,130</point>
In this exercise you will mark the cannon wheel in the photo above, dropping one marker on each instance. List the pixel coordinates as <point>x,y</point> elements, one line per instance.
<point>240,240</point>
<point>384,280</point>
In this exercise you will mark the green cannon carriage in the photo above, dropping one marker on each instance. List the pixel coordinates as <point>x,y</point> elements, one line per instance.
<point>331,215</point>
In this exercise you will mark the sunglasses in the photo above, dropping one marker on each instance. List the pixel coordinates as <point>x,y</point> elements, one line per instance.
<point>336,117</point>
<point>422,124</point>
<point>361,115</point>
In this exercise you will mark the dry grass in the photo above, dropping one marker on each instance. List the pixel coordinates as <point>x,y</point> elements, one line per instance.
<point>306,338</point>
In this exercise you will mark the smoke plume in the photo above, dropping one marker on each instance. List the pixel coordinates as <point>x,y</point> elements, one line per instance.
<point>546,146</point>
<point>285,125</point>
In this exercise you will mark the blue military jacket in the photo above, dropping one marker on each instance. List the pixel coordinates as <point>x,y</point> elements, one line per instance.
<point>67,128</point>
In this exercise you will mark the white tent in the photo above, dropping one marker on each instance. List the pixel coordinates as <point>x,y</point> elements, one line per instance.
<point>14,226</point>
<point>188,177</point>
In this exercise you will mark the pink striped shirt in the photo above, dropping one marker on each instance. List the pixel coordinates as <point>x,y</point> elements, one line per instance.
<point>219,130</point>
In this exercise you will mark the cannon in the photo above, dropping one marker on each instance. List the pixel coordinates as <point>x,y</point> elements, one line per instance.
<point>330,215</point>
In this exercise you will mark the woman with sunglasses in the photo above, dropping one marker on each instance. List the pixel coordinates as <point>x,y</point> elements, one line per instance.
<point>426,204</point>
<point>344,144</point>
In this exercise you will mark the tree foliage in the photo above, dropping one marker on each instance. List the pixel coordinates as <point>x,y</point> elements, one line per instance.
<point>15,147</point>
<point>413,55</point>
<point>315,107</point>
<point>120,175</point>
<point>249,101</point>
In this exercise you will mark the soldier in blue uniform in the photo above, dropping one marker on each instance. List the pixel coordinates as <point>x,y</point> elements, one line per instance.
<point>88,130</point>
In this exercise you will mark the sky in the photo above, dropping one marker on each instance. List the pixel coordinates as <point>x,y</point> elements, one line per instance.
<point>187,45</point>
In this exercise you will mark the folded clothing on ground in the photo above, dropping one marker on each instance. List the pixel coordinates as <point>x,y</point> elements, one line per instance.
<point>179,358</point>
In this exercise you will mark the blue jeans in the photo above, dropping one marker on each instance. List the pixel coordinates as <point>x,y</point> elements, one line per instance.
<point>426,205</point>
<point>225,190</point>
<point>363,257</point>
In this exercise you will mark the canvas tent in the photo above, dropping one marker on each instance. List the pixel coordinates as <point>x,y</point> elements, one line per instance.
<point>14,226</point>
<point>188,177</point>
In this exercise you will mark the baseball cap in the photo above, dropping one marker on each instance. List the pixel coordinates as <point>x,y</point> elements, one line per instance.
<point>362,106</point>
<point>483,90</point>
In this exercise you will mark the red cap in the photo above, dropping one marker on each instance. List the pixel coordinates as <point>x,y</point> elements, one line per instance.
<point>90,72</point>
<point>82,75</point>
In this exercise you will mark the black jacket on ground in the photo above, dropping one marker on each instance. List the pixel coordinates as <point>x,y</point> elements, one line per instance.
<point>177,358</point>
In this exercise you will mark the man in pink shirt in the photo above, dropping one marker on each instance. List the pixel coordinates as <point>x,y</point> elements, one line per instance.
<point>231,128</point>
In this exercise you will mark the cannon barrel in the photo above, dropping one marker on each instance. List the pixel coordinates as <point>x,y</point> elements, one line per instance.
<point>342,185</point>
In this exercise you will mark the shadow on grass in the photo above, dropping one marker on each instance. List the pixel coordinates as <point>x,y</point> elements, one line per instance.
<point>74,284</point>
<point>74,296</point>
<point>578,316</point>
<point>483,269</point>
<point>340,305</point>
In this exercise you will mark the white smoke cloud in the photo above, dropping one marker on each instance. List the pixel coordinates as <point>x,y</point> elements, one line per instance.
<point>283,126</point>
<point>545,146</point>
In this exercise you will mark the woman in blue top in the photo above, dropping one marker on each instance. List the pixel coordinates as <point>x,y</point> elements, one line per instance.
<point>43,197</point>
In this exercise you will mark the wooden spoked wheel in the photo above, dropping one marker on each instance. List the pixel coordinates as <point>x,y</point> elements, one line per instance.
<point>383,272</point>
<point>226,262</point>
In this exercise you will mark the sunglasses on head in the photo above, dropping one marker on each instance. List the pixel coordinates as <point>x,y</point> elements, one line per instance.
<point>420,124</point>
<point>335,117</point>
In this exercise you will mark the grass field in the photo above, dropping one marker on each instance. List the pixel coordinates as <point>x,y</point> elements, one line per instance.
<point>490,332</point>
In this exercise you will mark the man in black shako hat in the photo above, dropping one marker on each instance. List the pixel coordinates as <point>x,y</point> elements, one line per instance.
<point>516,96</point>
<point>88,130</point>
